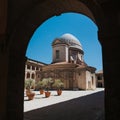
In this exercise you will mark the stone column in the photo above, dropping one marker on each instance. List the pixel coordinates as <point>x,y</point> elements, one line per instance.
<point>109,36</point>
<point>3,58</point>
<point>111,69</point>
<point>3,76</point>
<point>15,85</point>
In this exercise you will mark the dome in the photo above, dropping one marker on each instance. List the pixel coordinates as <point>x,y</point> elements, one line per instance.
<point>71,40</point>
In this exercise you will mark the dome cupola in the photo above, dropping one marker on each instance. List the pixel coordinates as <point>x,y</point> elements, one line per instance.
<point>67,48</point>
<point>71,40</point>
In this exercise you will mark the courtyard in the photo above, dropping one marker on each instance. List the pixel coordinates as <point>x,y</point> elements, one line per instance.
<point>71,105</point>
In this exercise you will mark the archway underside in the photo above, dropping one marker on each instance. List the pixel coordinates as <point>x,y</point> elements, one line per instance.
<point>19,40</point>
<point>41,12</point>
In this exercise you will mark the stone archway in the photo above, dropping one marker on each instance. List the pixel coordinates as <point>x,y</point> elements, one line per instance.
<point>21,28</point>
<point>19,40</point>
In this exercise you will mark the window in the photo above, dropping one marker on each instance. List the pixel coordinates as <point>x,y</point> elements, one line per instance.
<point>28,66</point>
<point>99,77</point>
<point>92,80</point>
<point>33,76</point>
<point>33,67</point>
<point>37,68</point>
<point>57,54</point>
<point>28,75</point>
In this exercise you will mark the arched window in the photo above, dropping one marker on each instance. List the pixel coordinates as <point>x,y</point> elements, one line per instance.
<point>33,75</point>
<point>28,66</point>
<point>33,67</point>
<point>37,68</point>
<point>57,54</point>
<point>28,75</point>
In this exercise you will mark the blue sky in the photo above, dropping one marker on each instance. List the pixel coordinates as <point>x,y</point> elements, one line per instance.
<point>82,27</point>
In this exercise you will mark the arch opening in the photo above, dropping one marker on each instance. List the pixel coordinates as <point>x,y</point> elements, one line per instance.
<point>40,36</point>
<point>22,34</point>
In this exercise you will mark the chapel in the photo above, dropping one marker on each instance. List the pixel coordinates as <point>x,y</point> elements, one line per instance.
<point>68,64</point>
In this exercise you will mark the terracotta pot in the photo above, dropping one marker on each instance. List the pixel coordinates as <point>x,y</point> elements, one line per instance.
<point>28,92</point>
<point>47,94</point>
<point>41,91</point>
<point>30,96</point>
<point>59,92</point>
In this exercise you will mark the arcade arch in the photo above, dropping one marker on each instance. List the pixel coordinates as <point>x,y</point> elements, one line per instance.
<point>23,31</point>
<point>20,34</point>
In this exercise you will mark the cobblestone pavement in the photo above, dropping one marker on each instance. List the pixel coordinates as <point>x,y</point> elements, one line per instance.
<point>71,105</point>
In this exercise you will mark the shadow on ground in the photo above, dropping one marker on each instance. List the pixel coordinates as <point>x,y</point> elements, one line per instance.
<point>89,107</point>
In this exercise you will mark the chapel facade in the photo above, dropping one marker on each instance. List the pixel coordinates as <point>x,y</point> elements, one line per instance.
<point>68,65</point>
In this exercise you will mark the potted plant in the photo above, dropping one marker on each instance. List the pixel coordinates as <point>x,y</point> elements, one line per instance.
<point>58,84</point>
<point>40,87</point>
<point>28,85</point>
<point>46,82</point>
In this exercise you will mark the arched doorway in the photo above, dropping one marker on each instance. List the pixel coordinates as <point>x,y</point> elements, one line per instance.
<point>21,35</point>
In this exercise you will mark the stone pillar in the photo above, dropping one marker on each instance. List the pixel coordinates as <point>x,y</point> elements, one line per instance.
<point>111,69</point>
<point>3,59</point>
<point>3,76</point>
<point>109,36</point>
<point>15,91</point>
